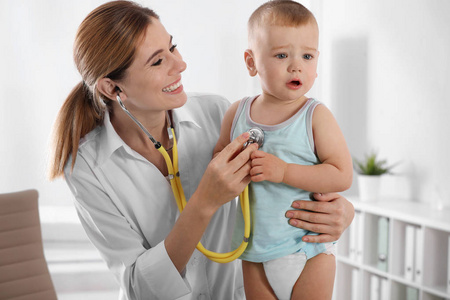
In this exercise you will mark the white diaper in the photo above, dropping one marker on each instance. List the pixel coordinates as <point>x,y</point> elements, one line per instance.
<point>282,273</point>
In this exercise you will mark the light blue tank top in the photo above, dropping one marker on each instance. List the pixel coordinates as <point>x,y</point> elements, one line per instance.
<point>271,235</point>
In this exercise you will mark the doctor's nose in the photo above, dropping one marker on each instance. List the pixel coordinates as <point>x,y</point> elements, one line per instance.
<point>178,65</point>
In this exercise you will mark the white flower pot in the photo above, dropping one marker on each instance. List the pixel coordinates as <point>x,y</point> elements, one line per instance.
<point>369,187</point>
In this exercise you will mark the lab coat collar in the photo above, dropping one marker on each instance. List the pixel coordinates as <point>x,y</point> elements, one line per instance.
<point>183,114</point>
<point>110,141</point>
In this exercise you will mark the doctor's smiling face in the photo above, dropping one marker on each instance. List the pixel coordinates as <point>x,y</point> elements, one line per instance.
<point>153,80</point>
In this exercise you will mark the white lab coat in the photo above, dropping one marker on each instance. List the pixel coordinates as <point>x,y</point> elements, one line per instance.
<point>127,208</point>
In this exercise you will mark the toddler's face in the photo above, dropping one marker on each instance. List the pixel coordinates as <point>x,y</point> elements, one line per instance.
<point>286,59</point>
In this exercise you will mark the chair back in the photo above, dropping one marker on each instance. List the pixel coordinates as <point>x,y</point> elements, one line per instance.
<point>24,273</point>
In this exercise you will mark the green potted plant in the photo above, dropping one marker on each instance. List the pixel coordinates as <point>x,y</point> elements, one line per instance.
<point>369,175</point>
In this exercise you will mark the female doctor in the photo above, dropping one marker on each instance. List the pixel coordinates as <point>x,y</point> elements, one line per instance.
<point>120,180</point>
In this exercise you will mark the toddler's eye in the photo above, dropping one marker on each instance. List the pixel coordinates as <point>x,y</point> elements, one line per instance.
<point>307,56</point>
<point>281,55</point>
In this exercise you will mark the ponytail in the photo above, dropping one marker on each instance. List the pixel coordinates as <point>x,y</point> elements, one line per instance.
<point>104,46</point>
<point>77,116</point>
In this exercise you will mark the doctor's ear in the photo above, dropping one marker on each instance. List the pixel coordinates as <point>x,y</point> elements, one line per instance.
<point>108,88</point>
<point>250,62</point>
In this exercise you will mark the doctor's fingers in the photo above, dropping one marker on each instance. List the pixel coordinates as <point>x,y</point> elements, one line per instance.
<point>233,148</point>
<point>226,165</point>
<point>321,238</point>
<point>239,176</point>
<point>243,174</point>
<point>327,207</point>
<point>243,158</point>
<point>313,227</point>
<point>233,183</point>
<point>231,176</point>
<point>326,233</point>
<point>308,216</point>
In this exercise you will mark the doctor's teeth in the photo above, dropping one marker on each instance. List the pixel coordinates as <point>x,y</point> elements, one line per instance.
<point>172,88</point>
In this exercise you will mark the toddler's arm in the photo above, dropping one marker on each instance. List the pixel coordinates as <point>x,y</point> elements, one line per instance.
<point>225,129</point>
<point>335,172</point>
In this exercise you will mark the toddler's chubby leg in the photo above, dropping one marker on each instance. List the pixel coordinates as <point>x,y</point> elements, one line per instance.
<point>255,282</point>
<point>317,279</point>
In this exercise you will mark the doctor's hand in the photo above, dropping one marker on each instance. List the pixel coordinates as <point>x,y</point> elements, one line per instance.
<point>329,216</point>
<point>227,174</point>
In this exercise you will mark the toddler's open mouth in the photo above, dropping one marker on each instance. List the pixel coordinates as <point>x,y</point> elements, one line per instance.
<point>294,84</point>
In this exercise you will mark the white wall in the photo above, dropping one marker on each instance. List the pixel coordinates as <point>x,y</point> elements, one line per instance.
<point>383,70</point>
<point>386,73</point>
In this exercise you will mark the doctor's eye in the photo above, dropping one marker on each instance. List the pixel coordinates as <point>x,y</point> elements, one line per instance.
<point>157,63</point>
<point>171,49</point>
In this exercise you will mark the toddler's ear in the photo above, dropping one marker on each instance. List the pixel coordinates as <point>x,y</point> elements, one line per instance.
<point>250,62</point>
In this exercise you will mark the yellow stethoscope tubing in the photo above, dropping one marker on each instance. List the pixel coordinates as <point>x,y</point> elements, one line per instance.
<point>180,198</point>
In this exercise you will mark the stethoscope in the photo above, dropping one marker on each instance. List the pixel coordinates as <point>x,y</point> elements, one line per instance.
<point>256,136</point>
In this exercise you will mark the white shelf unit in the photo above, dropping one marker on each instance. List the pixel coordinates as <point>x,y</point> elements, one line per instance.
<point>358,275</point>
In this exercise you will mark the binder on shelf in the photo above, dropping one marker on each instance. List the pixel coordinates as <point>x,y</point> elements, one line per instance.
<point>360,238</point>
<point>384,289</point>
<point>354,245</point>
<point>418,256</point>
<point>374,288</point>
<point>418,260</point>
<point>409,251</point>
<point>356,285</point>
<point>352,232</point>
<point>448,267</point>
<point>383,243</point>
<point>412,293</point>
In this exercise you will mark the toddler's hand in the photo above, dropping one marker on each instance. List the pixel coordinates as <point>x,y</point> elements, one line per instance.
<point>266,166</point>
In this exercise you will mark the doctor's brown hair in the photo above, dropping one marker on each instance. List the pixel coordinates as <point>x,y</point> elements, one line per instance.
<point>105,46</point>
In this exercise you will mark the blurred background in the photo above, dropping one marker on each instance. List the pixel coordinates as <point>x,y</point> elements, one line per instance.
<point>384,71</point>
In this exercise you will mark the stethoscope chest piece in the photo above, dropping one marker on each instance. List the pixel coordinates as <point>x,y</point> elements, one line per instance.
<point>256,136</point>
